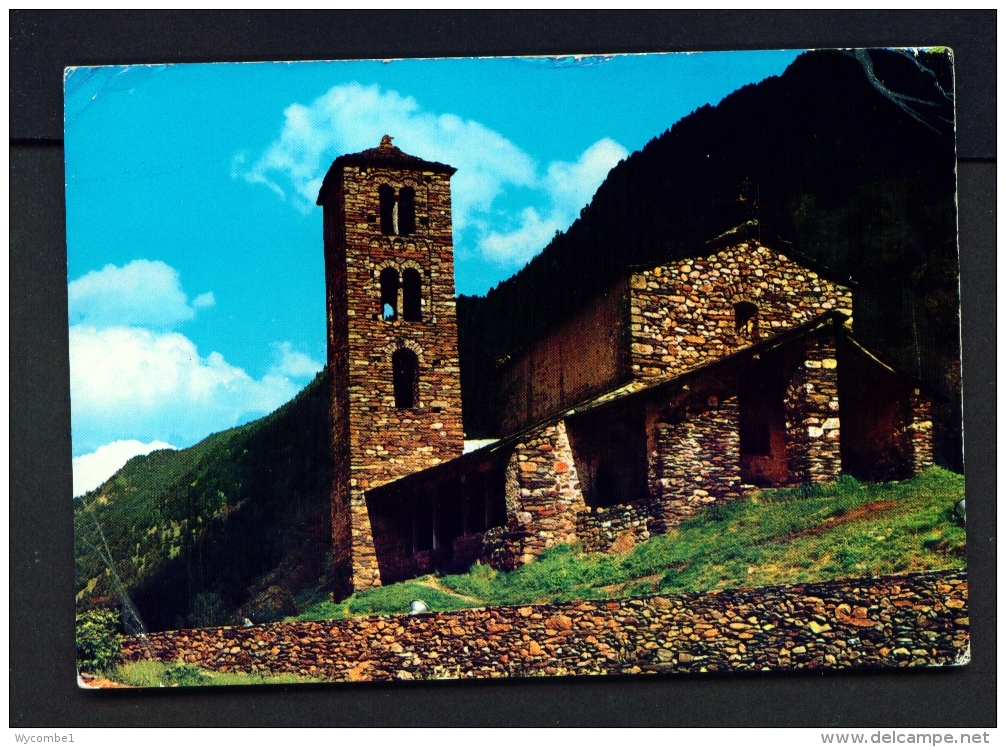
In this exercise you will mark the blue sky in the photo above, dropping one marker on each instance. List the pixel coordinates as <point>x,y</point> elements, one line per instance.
<point>194,245</point>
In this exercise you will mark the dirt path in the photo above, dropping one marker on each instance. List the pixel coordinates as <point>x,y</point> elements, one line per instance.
<point>434,583</point>
<point>866,510</point>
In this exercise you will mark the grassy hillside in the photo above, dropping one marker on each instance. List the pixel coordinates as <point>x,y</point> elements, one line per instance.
<point>814,533</point>
<point>236,525</point>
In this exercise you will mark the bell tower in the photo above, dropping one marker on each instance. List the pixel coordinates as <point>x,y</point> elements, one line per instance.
<point>392,336</point>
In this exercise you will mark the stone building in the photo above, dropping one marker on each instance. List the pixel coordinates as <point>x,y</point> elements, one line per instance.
<point>677,387</point>
<point>392,334</point>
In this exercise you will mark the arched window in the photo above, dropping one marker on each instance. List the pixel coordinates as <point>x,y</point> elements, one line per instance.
<point>406,211</point>
<point>389,210</point>
<point>746,320</point>
<point>412,295</point>
<point>389,293</point>
<point>405,375</point>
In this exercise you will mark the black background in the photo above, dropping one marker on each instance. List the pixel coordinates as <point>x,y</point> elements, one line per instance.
<point>42,673</point>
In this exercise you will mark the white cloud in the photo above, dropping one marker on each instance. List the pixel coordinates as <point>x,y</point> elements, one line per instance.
<point>570,186</point>
<point>204,300</point>
<point>573,184</point>
<point>91,470</point>
<point>127,381</point>
<point>131,378</point>
<point>352,117</point>
<point>142,292</point>
<point>293,363</point>
<point>519,244</point>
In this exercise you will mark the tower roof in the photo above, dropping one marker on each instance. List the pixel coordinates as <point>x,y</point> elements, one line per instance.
<point>384,155</point>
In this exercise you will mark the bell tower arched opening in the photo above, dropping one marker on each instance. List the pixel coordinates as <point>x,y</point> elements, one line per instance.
<point>412,295</point>
<point>389,293</point>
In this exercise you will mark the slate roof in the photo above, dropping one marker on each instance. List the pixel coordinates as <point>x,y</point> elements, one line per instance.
<point>384,155</point>
<point>832,321</point>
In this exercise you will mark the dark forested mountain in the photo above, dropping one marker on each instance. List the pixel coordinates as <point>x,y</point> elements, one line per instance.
<point>848,156</point>
<point>237,525</point>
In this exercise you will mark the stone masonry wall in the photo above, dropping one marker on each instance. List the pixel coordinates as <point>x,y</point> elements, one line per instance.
<point>894,621</point>
<point>503,547</point>
<point>921,432</point>
<point>813,425</point>
<point>543,494</point>
<point>613,528</point>
<point>695,463</point>
<point>385,442</point>
<point>682,314</point>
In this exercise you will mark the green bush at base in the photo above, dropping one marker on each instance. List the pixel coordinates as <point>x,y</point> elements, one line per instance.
<point>99,643</point>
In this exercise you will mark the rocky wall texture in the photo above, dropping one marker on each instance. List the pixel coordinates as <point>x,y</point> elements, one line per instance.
<point>543,494</point>
<point>697,464</point>
<point>503,547</point>
<point>813,425</point>
<point>895,621</point>
<point>386,442</point>
<point>921,432</point>
<point>613,528</point>
<point>683,315</point>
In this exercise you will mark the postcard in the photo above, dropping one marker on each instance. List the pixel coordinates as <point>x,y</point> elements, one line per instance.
<point>509,367</point>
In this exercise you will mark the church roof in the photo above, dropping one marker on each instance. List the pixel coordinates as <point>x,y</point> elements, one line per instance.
<point>632,391</point>
<point>386,156</point>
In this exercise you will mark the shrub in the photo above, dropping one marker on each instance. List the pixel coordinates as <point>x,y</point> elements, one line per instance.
<point>99,643</point>
<point>143,673</point>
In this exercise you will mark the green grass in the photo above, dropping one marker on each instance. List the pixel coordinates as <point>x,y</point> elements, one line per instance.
<point>393,599</point>
<point>160,674</point>
<point>811,533</point>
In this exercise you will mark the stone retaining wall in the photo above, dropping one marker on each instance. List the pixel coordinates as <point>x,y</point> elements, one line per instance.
<point>893,621</point>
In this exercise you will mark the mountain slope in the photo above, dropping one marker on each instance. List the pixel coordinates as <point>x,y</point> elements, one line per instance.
<point>856,179</point>
<point>236,525</point>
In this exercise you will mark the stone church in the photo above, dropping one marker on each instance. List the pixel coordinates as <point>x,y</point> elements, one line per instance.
<point>677,387</point>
